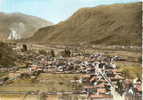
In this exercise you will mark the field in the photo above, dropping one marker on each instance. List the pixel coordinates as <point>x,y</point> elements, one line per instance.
<point>17,97</point>
<point>45,83</point>
<point>49,97</point>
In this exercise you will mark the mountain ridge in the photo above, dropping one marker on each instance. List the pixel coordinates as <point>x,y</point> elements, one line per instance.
<point>116,24</point>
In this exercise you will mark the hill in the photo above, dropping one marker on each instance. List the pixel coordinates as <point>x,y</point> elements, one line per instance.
<point>17,25</point>
<point>117,24</point>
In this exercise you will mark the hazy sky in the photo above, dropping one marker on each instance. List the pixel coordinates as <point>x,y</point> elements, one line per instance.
<point>52,10</point>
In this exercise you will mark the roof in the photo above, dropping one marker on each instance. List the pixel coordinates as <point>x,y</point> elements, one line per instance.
<point>86,76</point>
<point>93,78</point>
<point>117,77</point>
<point>89,87</point>
<point>101,90</point>
<point>101,85</point>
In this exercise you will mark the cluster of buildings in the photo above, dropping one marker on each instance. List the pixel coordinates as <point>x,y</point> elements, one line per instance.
<point>99,72</point>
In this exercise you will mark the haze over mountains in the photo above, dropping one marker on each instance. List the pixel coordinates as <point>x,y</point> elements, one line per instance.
<point>118,24</point>
<point>17,25</point>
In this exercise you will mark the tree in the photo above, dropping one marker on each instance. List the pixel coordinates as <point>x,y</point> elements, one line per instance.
<point>24,47</point>
<point>52,53</point>
<point>67,52</point>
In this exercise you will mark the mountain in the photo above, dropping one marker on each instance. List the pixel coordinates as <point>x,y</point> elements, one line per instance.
<point>117,24</point>
<point>18,25</point>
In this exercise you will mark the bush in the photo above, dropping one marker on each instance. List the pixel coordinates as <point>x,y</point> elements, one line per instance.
<point>43,52</point>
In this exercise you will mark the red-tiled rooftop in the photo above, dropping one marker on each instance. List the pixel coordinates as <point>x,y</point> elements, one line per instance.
<point>101,90</point>
<point>117,77</point>
<point>89,87</point>
<point>101,85</point>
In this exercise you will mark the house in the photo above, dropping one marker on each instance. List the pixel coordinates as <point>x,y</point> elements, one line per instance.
<point>101,90</point>
<point>116,78</point>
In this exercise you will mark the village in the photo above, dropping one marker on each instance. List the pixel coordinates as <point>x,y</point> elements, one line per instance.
<point>94,75</point>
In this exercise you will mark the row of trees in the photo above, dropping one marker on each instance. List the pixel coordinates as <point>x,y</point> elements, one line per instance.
<point>64,53</point>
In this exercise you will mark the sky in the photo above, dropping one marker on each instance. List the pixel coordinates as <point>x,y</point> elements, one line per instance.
<point>52,10</point>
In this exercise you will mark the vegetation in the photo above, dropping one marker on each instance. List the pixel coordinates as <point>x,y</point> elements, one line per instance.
<point>45,83</point>
<point>43,52</point>
<point>132,72</point>
<point>66,53</point>
<point>7,55</point>
<point>3,74</point>
<point>52,53</point>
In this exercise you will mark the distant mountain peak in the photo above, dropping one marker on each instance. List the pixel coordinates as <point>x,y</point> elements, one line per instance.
<point>18,25</point>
